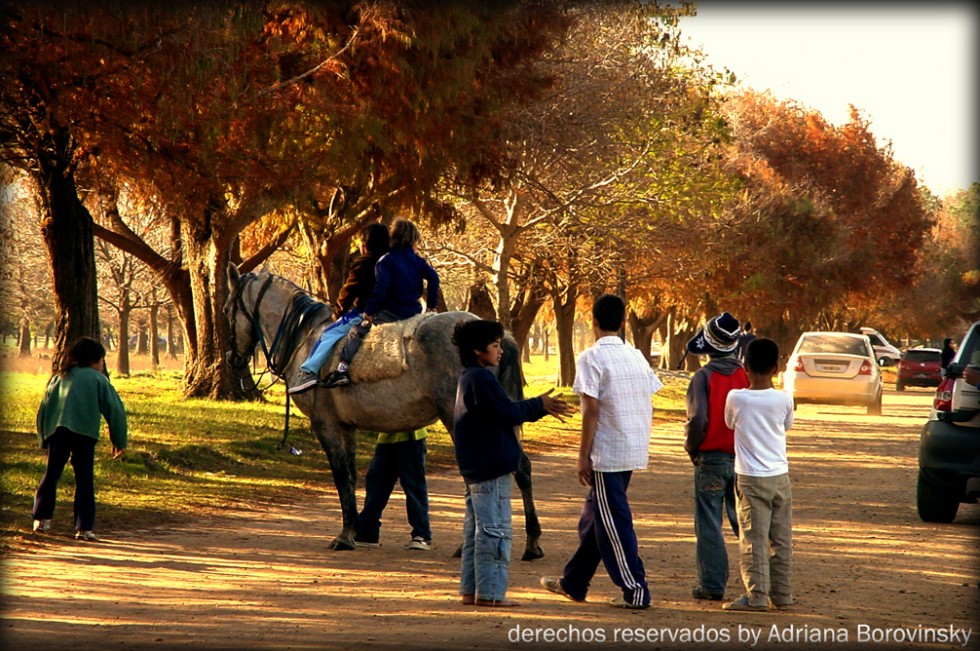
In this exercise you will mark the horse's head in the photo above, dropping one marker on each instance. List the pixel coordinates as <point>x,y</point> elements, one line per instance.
<point>243,332</point>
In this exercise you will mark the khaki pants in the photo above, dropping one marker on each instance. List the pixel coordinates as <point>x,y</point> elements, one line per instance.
<point>765,539</point>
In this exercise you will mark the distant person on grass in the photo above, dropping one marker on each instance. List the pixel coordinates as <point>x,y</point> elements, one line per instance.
<point>743,340</point>
<point>760,416</point>
<point>488,452</point>
<point>69,424</point>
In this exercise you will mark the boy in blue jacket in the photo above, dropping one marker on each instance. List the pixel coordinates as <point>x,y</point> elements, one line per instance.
<point>487,452</point>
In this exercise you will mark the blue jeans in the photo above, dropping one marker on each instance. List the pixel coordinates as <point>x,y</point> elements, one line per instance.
<point>714,495</point>
<point>334,333</point>
<point>404,462</point>
<point>62,446</point>
<point>485,567</point>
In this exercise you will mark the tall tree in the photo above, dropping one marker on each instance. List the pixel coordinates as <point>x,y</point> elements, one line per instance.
<point>289,103</point>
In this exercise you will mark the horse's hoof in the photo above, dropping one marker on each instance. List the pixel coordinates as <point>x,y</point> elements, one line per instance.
<point>532,553</point>
<point>341,545</point>
<point>459,552</point>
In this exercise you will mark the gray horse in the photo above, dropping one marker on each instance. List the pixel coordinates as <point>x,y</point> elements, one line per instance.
<point>272,312</point>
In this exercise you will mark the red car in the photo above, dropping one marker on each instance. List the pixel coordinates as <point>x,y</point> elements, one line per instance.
<point>919,367</point>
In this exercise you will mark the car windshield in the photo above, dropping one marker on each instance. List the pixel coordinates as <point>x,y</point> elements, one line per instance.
<point>833,344</point>
<point>922,356</point>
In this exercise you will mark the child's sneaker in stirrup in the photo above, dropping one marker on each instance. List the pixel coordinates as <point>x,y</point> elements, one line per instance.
<point>304,382</point>
<point>42,526</point>
<point>337,379</point>
<point>419,543</point>
<point>85,535</point>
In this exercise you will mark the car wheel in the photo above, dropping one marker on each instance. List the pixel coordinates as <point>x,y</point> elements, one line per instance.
<point>934,503</point>
<point>899,386</point>
<point>874,409</point>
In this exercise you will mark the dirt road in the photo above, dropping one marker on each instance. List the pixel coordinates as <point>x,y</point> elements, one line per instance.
<point>868,573</point>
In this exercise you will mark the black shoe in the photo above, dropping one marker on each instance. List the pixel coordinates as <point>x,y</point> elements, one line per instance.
<point>336,379</point>
<point>701,593</point>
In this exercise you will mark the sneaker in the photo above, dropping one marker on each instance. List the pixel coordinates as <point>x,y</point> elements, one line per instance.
<point>304,382</point>
<point>553,584</point>
<point>42,526</point>
<point>367,544</point>
<point>619,602</point>
<point>701,593</point>
<point>85,535</point>
<point>420,544</point>
<point>743,604</point>
<point>337,379</point>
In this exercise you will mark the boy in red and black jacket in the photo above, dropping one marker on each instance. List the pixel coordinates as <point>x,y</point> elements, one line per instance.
<point>711,446</point>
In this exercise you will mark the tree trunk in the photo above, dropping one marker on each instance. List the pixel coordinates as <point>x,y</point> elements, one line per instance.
<point>122,354</point>
<point>480,303</point>
<point>25,337</point>
<point>142,341</point>
<point>67,233</point>
<point>154,330</point>
<point>171,334</point>
<point>564,307</point>
<point>208,374</point>
<point>525,310</point>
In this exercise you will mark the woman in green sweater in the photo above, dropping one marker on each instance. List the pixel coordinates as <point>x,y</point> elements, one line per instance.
<point>68,424</point>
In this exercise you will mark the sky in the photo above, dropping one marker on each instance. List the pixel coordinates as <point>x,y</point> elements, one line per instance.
<point>909,69</point>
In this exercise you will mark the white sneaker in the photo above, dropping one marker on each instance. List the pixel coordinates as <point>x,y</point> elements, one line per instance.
<point>42,526</point>
<point>420,544</point>
<point>85,535</point>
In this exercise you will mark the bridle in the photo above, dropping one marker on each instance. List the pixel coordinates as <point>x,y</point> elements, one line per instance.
<point>294,320</point>
<point>238,360</point>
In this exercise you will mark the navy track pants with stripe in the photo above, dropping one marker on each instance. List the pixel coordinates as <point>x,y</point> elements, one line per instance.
<point>606,534</point>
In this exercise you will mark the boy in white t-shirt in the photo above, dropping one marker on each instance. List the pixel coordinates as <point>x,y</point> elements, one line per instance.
<point>760,416</point>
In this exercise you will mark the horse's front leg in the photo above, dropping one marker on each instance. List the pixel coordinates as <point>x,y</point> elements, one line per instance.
<point>532,527</point>
<point>340,444</point>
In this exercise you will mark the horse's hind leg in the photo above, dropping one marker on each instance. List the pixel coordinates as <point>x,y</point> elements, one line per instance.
<point>340,444</point>
<point>532,549</point>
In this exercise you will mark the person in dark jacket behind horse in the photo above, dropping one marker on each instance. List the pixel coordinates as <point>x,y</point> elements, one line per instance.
<point>400,276</point>
<point>487,452</point>
<point>353,298</point>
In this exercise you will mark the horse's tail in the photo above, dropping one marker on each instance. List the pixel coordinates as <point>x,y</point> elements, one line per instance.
<point>509,370</point>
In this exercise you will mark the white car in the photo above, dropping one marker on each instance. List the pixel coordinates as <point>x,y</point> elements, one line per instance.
<point>885,353</point>
<point>834,368</point>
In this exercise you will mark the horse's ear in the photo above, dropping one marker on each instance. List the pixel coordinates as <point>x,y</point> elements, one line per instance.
<point>233,275</point>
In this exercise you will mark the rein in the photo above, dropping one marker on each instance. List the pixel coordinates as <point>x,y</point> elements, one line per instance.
<point>294,325</point>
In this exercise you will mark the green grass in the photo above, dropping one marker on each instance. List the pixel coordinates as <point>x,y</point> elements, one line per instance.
<point>190,457</point>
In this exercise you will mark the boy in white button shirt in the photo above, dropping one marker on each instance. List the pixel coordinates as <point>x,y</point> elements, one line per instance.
<point>615,383</point>
<point>760,416</point>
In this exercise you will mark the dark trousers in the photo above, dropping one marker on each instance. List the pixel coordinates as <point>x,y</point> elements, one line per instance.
<point>606,534</point>
<point>358,332</point>
<point>62,446</point>
<point>403,462</point>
